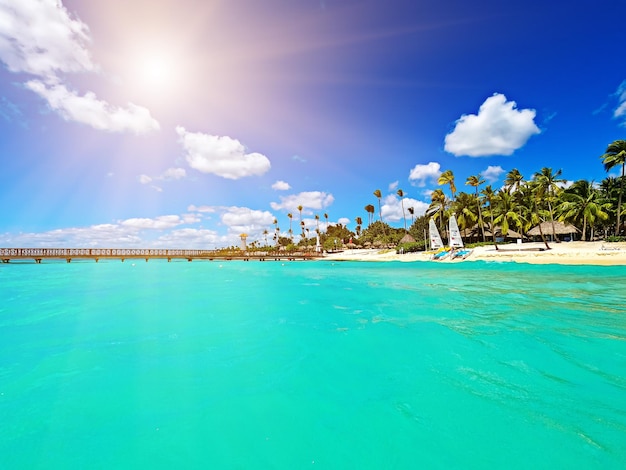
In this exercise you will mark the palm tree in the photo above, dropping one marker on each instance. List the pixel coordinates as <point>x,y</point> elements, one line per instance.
<point>513,180</point>
<point>379,195</point>
<point>370,209</point>
<point>359,222</point>
<point>464,207</point>
<point>300,210</point>
<point>582,201</point>
<point>489,197</point>
<point>506,212</point>
<point>609,188</point>
<point>276,229</point>
<point>400,193</point>
<point>447,177</point>
<point>615,155</point>
<point>265,232</point>
<point>476,181</point>
<point>437,207</point>
<point>290,215</point>
<point>326,218</point>
<point>547,187</point>
<point>412,212</point>
<point>534,215</point>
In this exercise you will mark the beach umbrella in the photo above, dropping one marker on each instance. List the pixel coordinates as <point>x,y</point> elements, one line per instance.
<point>407,239</point>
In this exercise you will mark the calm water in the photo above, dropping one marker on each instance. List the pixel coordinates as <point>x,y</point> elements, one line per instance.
<point>312,364</point>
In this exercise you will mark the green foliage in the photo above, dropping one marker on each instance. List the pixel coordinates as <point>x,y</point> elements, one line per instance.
<point>419,228</point>
<point>615,239</point>
<point>338,231</point>
<point>411,247</point>
<point>381,232</point>
<point>284,241</point>
<point>332,244</point>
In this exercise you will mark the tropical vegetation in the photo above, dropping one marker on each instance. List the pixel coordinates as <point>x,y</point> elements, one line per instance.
<point>485,214</point>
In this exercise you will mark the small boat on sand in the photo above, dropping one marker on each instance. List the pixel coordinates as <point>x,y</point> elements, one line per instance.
<point>461,254</point>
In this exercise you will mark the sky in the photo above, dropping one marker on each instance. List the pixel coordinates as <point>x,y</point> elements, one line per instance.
<point>184,123</point>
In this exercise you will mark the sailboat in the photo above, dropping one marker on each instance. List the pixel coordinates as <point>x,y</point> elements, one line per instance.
<point>435,241</point>
<point>456,248</point>
<point>456,241</point>
<point>435,238</point>
<point>455,235</point>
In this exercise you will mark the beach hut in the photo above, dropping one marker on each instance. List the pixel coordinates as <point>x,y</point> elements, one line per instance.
<point>562,230</point>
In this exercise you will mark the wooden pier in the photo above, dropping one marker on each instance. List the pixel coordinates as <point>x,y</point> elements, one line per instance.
<point>68,254</point>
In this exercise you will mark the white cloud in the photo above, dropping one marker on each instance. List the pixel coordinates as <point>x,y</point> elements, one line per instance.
<point>104,235</point>
<point>492,173</point>
<point>244,220</point>
<point>158,223</point>
<point>420,174</point>
<point>498,129</point>
<point>315,200</point>
<point>344,221</point>
<point>190,238</point>
<point>88,109</point>
<point>173,174</point>
<point>620,111</point>
<point>281,186</point>
<point>393,186</point>
<point>392,209</point>
<point>221,156</point>
<point>125,234</point>
<point>169,174</point>
<point>189,219</point>
<point>195,208</point>
<point>145,179</point>
<point>41,38</point>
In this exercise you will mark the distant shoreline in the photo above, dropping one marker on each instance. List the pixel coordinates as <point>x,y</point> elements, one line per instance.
<point>567,253</point>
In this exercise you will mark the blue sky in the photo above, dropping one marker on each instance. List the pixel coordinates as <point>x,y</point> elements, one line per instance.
<point>181,124</point>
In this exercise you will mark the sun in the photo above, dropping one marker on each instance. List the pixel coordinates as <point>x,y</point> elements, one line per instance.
<point>155,73</point>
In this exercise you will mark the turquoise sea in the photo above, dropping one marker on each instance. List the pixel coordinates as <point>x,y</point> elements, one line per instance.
<point>315,364</point>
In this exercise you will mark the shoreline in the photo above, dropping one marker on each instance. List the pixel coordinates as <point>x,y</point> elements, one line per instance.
<point>567,253</point>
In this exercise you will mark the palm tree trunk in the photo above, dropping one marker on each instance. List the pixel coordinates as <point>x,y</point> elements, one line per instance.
<point>584,228</point>
<point>554,237</point>
<point>619,202</point>
<point>403,215</point>
<point>493,229</point>
<point>480,215</point>
<point>543,237</point>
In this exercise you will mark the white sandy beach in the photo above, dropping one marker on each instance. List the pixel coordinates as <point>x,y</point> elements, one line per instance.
<point>596,253</point>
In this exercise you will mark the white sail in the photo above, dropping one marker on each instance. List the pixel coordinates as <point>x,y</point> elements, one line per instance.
<point>455,235</point>
<point>435,238</point>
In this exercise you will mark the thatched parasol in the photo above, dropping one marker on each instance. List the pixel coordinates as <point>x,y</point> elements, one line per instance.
<point>407,239</point>
<point>559,227</point>
<point>509,234</point>
<point>475,233</point>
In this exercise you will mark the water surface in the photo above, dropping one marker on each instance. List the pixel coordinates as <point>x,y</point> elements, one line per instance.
<point>312,364</point>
